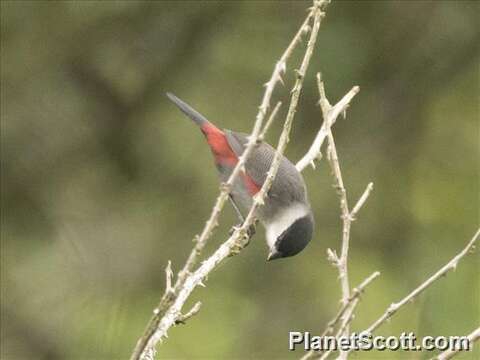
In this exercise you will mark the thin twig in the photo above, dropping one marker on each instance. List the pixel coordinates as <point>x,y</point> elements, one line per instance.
<point>448,354</point>
<point>193,311</point>
<point>201,240</point>
<point>330,114</point>
<point>356,293</point>
<point>451,265</point>
<point>168,277</point>
<point>270,121</point>
<point>342,263</point>
<point>393,308</point>
<point>315,149</point>
<point>347,319</point>
<point>187,281</point>
<point>212,222</point>
<point>361,201</point>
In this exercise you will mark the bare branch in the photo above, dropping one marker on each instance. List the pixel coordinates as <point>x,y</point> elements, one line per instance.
<point>342,263</point>
<point>330,114</point>
<point>187,280</point>
<point>181,319</point>
<point>361,201</point>
<point>348,315</point>
<point>270,121</point>
<point>212,222</point>
<point>356,293</point>
<point>347,319</point>
<point>451,265</point>
<point>168,276</point>
<point>448,354</point>
<point>315,149</point>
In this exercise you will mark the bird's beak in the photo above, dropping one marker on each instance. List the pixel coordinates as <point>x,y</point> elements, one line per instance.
<point>274,255</point>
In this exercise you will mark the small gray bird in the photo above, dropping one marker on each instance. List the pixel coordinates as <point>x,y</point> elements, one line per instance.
<point>286,215</point>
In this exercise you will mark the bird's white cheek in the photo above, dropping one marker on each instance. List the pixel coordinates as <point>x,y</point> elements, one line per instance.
<point>282,222</point>
<point>271,235</point>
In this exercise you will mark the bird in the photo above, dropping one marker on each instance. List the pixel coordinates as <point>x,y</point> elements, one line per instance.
<point>286,215</point>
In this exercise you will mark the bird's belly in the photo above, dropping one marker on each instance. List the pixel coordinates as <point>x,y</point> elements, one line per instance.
<point>241,189</point>
<point>242,193</point>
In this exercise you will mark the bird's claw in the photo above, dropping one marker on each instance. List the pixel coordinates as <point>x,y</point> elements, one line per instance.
<point>251,230</point>
<point>234,228</point>
<point>235,249</point>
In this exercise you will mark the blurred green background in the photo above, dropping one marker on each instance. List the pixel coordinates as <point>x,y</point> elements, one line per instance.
<point>103,180</point>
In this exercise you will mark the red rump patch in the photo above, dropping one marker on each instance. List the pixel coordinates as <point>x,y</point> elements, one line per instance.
<point>222,152</point>
<point>251,186</point>
<point>224,155</point>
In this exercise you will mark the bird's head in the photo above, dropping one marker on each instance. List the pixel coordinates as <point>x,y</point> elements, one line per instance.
<point>290,232</point>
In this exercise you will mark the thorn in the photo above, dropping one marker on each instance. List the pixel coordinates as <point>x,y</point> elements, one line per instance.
<point>224,187</point>
<point>259,200</point>
<point>181,318</point>
<point>169,275</point>
<point>332,257</point>
<point>299,74</point>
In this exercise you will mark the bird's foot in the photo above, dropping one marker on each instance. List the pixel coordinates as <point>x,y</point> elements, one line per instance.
<point>235,249</point>
<point>250,232</point>
<point>244,239</point>
<point>234,228</point>
<point>252,229</point>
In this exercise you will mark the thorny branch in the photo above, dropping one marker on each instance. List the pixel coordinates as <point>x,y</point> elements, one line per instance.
<point>212,222</point>
<point>314,152</point>
<point>451,265</point>
<point>330,114</point>
<point>270,121</point>
<point>352,302</point>
<point>448,354</point>
<point>347,309</point>
<point>168,311</point>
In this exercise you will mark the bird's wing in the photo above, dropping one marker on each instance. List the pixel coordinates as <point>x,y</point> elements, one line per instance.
<point>288,185</point>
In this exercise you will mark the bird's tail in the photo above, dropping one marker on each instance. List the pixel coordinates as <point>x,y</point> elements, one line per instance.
<point>193,114</point>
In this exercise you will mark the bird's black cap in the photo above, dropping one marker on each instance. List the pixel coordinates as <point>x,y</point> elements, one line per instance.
<point>294,239</point>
